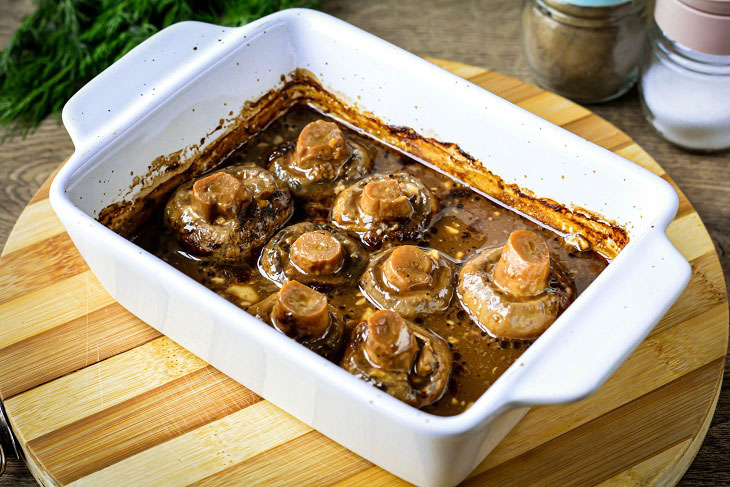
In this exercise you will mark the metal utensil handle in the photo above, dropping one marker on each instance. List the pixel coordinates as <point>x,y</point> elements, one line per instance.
<point>3,459</point>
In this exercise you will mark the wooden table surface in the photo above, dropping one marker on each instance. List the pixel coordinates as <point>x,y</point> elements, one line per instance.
<point>484,33</point>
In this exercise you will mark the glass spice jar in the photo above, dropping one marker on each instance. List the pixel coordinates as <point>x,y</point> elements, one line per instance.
<point>586,50</point>
<point>685,82</point>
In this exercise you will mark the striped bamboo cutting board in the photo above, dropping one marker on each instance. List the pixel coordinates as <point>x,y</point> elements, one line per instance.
<point>97,397</point>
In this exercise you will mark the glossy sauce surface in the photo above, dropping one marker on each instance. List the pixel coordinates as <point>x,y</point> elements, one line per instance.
<point>466,223</point>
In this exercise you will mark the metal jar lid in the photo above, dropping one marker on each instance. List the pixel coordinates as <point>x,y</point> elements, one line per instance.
<point>701,25</point>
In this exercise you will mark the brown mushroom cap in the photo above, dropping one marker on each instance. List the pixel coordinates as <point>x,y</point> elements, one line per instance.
<point>405,360</point>
<point>322,161</point>
<point>382,207</point>
<point>279,311</point>
<point>503,314</point>
<point>408,268</point>
<point>409,280</point>
<point>317,252</point>
<point>390,344</point>
<point>385,201</point>
<point>524,267</point>
<point>301,307</point>
<point>228,214</point>
<point>219,194</point>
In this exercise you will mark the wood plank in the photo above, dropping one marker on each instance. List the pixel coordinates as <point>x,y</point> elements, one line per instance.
<point>51,306</point>
<point>216,446</point>
<point>704,291</point>
<point>21,274</point>
<point>652,470</point>
<point>36,223</point>
<point>139,423</point>
<point>686,235</point>
<point>647,472</point>
<point>505,87</point>
<point>95,388</point>
<point>333,462</point>
<point>371,476</point>
<point>675,473</point>
<point>661,359</point>
<point>555,110</point>
<point>79,343</point>
<point>613,442</point>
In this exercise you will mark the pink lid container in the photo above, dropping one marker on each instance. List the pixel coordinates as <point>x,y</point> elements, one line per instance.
<point>701,25</point>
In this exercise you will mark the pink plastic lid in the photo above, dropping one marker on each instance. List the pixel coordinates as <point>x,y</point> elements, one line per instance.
<point>701,25</point>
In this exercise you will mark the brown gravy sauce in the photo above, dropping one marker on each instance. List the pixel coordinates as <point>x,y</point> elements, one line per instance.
<point>466,223</point>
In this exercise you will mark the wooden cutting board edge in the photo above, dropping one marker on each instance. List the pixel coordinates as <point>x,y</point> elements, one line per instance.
<point>557,110</point>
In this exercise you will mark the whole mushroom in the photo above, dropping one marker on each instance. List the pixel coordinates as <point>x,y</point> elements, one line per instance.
<point>385,207</point>
<point>318,255</point>
<point>323,160</point>
<point>516,291</point>
<point>405,360</point>
<point>228,214</point>
<point>409,280</point>
<point>304,315</point>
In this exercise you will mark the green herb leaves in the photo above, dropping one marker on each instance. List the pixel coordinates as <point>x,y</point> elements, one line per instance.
<point>65,43</point>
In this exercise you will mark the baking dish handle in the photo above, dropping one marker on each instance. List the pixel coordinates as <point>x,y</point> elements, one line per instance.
<point>617,321</point>
<point>141,79</point>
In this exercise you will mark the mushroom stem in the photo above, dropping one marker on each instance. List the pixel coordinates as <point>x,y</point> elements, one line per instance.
<point>220,194</point>
<point>301,308</point>
<point>408,268</point>
<point>385,201</point>
<point>317,252</point>
<point>524,267</point>
<point>320,146</point>
<point>427,361</point>
<point>390,343</point>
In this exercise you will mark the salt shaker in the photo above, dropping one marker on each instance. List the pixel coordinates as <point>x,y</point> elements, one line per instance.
<point>685,84</point>
<point>587,50</point>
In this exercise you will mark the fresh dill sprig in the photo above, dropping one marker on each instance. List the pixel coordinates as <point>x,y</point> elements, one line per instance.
<point>65,43</point>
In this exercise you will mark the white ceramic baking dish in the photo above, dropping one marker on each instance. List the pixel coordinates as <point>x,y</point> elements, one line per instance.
<point>177,86</point>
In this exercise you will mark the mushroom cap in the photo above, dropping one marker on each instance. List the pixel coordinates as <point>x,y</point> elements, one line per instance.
<point>321,163</point>
<point>507,316</point>
<point>328,343</point>
<point>417,377</point>
<point>378,193</point>
<point>409,280</point>
<point>281,262</point>
<point>223,233</point>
